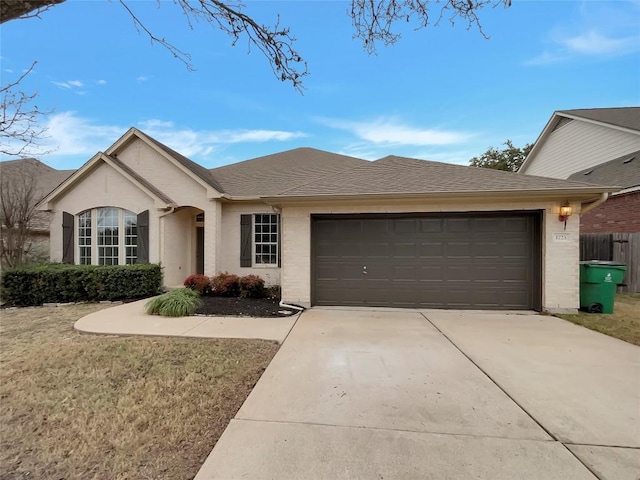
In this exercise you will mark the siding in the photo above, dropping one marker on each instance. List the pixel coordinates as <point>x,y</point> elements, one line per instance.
<point>579,145</point>
<point>230,261</point>
<point>559,258</point>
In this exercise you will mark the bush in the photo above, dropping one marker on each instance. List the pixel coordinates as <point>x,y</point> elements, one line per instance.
<point>62,283</point>
<point>225,285</point>
<point>252,286</point>
<point>176,303</point>
<point>199,282</point>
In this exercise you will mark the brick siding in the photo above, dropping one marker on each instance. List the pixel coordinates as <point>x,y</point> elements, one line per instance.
<point>619,214</point>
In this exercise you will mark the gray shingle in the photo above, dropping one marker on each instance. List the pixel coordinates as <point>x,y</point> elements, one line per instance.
<point>399,175</point>
<point>627,117</point>
<point>271,174</point>
<point>623,171</point>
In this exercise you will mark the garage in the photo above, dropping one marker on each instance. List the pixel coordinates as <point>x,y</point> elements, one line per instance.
<point>460,261</point>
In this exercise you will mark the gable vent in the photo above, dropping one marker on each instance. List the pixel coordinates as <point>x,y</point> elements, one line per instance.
<point>561,123</point>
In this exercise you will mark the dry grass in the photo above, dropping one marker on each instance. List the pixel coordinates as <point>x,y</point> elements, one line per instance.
<point>95,407</point>
<point>623,323</point>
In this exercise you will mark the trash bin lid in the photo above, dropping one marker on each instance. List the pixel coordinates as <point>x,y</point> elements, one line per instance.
<point>603,263</point>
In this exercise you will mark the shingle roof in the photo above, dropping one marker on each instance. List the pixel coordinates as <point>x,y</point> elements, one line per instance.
<point>405,176</point>
<point>627,117</point>
<point>623,171</point>
<point>195,168</point>
<point>271,174</point>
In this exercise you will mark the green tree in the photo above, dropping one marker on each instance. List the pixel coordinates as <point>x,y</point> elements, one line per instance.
<point>509,158</point>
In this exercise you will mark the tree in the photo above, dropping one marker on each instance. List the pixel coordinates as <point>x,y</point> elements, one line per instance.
<point>373,21</point>
<point>18,197</point>
<point>20,130</point>
<point>509,158</point>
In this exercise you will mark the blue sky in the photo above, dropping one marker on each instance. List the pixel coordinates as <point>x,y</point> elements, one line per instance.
<point>440,93</point>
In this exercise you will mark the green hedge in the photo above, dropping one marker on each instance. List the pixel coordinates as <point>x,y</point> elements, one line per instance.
<point>49,283</point>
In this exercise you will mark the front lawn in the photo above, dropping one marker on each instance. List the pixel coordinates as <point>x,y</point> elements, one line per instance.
<point>624,323</point>
<point>93,407</point>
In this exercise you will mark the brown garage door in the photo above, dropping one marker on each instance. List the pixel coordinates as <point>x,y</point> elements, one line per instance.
<point>466,261</point>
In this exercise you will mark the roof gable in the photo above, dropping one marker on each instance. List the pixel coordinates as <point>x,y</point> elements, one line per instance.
<point>189,167</point>
<point>161,200</point>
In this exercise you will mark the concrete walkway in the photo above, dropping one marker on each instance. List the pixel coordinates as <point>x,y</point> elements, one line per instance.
<point>130,319</point>
<point>437,395</point>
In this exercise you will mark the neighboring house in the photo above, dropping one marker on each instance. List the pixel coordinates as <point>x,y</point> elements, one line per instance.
<point>330,229</point>
<point>596,145</point>
<point>24,183</point>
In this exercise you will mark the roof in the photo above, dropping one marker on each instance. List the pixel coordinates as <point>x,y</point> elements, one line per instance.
<point>271,174</point>
<point>394,175</point>
<point>623,171</point>
<point>625,117</point>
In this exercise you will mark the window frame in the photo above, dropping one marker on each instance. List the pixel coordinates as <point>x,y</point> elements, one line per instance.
<point>255,243</point>
<point>94,247</point>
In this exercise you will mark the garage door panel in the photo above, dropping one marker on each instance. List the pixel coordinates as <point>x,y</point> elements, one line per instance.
<point>427,261</point>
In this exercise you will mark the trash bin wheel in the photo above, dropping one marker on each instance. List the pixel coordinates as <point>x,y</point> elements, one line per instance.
<point>595,308</point>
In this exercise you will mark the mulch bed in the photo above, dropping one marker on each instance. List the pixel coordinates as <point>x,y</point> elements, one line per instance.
<point>243,307</point>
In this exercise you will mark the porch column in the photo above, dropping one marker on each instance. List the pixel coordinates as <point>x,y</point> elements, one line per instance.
<point>212,238</point>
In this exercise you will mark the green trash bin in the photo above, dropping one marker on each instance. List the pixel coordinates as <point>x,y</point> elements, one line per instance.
<point>598,282</point>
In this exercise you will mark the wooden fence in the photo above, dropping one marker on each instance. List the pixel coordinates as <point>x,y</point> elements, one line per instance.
<point>617,247</point>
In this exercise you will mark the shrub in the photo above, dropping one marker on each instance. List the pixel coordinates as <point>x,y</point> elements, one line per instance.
<point>252,286</point>
<point>176,303</point>
<point>62,283</point>
<point>199,282</point>
<point>225,285</point>
<point>274,291</point>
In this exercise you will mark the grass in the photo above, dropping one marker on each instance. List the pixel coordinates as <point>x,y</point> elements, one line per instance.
<point>176,303</point>
<point>623,323</point>
<point>94,407</point>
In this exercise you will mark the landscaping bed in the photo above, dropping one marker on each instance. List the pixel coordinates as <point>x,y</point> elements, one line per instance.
<point>243,307</point>
<point>84,406</point>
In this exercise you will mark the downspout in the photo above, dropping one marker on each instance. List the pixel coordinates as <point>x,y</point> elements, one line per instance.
<point>590,206</point>
<point>278,210</point>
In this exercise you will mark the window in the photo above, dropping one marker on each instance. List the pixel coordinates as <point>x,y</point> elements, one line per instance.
<point>265,239</point>
<point>113,231</point>
<point>84,237</point>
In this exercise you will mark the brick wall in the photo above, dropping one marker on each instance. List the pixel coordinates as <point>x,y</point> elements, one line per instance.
<point>619,214</point>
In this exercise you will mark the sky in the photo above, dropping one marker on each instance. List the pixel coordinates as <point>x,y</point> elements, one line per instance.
<point>441,93</point>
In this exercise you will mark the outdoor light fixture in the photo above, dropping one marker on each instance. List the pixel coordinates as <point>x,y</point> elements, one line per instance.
<point>565,212</point>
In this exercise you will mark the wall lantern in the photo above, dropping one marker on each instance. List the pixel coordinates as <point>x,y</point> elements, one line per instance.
<point>565,212</point>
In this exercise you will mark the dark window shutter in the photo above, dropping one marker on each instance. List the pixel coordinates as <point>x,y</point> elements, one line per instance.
<point>279,241</point>
<point>67,237</point>
<point>245,240</point>
<point>143,237</point>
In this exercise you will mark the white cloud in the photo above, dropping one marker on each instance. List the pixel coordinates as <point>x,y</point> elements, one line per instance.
<point>393,132</point>
<point>69,84</point>
<point>141,79</point>
<point>101,82</point>
<point>594,43</point>
<point>69,134</point>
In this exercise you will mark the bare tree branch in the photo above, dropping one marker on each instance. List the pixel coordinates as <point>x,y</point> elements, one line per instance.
<point>20,130</point>
<point>373,20</point>
<point>20,9</point>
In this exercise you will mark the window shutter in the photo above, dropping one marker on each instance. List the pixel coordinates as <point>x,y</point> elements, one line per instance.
<point>143,237</point>
<point>245,240</point>
<point>279,241</point>
<point>67,238</point>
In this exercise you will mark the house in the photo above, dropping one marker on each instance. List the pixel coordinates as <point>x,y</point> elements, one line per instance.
<point>596,145</point>
<point>330,229</point>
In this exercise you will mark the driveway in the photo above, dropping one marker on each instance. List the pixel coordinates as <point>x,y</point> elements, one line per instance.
<point>380,394</point>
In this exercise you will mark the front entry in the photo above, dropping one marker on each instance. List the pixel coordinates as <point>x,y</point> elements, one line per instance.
<point>200,250</point>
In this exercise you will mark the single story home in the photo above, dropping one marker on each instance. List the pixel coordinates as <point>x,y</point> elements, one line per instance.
<point>330,229</point>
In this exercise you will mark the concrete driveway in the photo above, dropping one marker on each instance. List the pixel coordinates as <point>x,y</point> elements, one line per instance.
<point>403,394</point>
